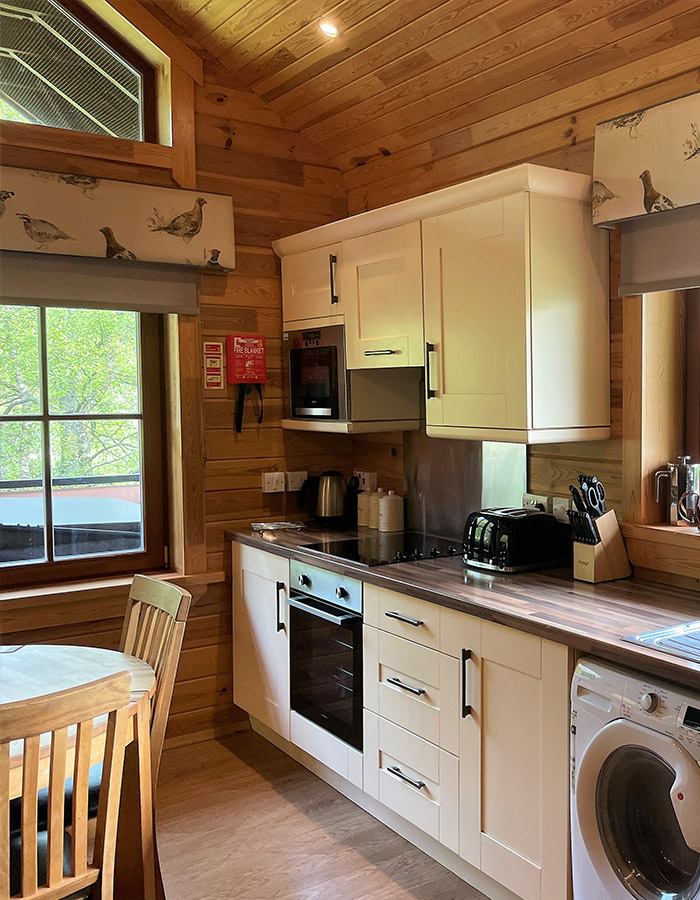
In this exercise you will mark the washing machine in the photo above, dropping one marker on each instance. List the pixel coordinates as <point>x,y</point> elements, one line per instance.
<point>635,786</point>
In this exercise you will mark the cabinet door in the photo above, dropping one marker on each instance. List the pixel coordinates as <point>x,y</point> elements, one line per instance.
<point>383,298</point>
<point>476,307</point>
<point>260,644</point>
<point>310,288</point>
<point>514,761</point>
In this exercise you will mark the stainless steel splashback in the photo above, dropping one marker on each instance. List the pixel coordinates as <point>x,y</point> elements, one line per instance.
<point>445,480</point>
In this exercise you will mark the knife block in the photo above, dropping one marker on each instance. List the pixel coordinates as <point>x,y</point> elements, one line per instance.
<point>607,560</point>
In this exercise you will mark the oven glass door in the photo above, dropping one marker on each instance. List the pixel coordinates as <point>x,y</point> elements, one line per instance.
<point>314,382</point>
<point>326,666</point>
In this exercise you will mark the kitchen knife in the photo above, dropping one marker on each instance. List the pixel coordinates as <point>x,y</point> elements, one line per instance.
<point>578,500</point>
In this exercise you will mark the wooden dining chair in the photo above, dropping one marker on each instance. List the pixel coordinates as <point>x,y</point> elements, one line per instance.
<point>49,863</point>
<point>154,628</point>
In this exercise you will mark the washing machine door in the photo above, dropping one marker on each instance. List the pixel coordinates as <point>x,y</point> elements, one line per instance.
<point>638,809</point>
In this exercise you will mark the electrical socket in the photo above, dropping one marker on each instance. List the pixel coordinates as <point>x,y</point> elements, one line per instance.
<point>368,480</point>
<point>294,480</point>
<point>559,507</point>
<point>537,501</point>
<point>272,482</point>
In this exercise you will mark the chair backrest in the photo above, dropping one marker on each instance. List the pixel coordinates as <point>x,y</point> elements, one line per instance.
<point>68,717</point>
<point>154,627</point>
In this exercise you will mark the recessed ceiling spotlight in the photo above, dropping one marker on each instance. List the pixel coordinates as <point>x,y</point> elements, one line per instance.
<point>328,28</point>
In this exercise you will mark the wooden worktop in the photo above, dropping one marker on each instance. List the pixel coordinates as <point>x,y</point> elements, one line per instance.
<point>592,618</point>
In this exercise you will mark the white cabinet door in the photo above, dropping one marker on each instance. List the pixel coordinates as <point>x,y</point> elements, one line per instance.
<point>476,307</point>
<point>310,284</point>
<point>260,643</point>
<point>514,758</point>
<point>382,292</point>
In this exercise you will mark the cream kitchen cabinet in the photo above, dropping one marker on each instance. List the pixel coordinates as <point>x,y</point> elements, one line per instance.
<point>494,700</point>
<point>381,286</point>
<point>310,285</point>
<point>516,305</point>
<point>513,752</point>
<point>260,644</point>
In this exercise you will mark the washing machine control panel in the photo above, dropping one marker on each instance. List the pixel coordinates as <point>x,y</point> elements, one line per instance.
<point>674,713</point>
<point>650,702</point>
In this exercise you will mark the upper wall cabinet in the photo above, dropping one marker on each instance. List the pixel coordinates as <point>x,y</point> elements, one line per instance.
<point>517,321</point>
<point>511,279</point>
<point>383,298</point>
<point>310,285</point>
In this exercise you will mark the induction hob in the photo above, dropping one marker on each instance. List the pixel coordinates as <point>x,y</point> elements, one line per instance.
<point>379,548</point>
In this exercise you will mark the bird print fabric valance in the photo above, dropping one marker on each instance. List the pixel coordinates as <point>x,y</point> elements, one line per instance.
<point>79,215</point>
<point>647,161</point>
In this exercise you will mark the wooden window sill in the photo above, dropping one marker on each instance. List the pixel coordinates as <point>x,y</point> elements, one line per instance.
<point>671,549</point>
<point>94,587</point>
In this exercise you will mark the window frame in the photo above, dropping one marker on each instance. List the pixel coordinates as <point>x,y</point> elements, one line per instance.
<point>149,104</point>
<point>154,554</point>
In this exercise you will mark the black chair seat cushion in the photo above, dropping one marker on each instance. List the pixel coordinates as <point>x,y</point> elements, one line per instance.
<point>42,842</point>
<point>43,803</point>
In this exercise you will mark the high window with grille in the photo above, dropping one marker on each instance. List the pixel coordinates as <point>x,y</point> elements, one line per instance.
<point>62,68</point>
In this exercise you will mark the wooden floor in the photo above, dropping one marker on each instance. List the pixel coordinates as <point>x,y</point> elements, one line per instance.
<point>240,820</point>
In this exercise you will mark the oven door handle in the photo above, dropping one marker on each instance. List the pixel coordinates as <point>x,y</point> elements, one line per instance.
<point>346,619</point>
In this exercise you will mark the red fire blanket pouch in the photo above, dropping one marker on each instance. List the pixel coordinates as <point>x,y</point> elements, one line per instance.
<point>246,366</point>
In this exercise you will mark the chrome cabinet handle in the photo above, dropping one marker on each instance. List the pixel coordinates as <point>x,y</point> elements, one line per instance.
<point>332,260</point>
<point>466,684</point>
<point>399,774</point>
<point>406,687</point>
<point>396,615</point>
<point>280,586</point>
<point>380,352</point>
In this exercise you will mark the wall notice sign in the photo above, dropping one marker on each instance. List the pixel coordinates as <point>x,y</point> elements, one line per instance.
<point>214,365</point>
<point>246,361</point>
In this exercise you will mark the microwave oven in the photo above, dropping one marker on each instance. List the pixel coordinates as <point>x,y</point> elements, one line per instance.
<point>321,393</point>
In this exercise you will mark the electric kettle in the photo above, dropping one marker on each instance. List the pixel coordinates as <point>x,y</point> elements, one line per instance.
<point>325,496</point>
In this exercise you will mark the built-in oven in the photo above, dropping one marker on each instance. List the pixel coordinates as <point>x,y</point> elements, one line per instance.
<point>315,374</point>
<point>325,642</point>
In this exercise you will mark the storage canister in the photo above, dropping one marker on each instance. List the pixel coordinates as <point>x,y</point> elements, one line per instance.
<point>363,508</point>
<point>374,507</point>
<point>391,512</point>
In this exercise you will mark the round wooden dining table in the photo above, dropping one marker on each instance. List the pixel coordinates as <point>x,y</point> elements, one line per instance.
<point>36,670</point>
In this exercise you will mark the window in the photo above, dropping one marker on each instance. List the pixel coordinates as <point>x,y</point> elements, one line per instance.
<point>81,465</point>
<point>60,66</point>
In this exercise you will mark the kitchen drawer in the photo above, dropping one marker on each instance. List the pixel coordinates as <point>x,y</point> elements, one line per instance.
<point>407,617</point>
<point>426,702</point>
<point>431,802</point>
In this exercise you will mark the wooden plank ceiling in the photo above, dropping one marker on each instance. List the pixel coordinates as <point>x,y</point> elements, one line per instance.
<point>411,82</point>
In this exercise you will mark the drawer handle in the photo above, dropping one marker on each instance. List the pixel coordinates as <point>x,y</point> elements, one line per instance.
<point>380,352</point>
<point>399,774</point>
<point>466,684</point>
<point>406,687</point>
<point>396,615</point>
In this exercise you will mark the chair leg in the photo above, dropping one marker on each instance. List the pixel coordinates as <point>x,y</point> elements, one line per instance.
<point>135,855</point>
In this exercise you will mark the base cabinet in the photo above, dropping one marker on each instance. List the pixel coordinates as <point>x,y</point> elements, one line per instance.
<point>513,755</point>
<point>413,777</point>
<point>466,723</point>
<point>260,642</point>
